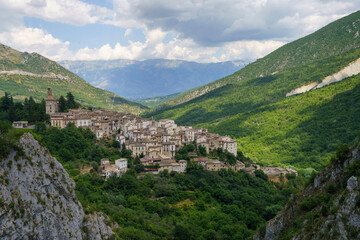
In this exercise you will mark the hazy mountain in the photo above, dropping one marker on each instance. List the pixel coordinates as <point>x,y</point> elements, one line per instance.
<point>150,78</point>
<point>30,74</point>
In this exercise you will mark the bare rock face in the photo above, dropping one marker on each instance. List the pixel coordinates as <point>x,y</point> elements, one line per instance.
<point>94,226</point>
<point>37,198</point>
<point>352,184</point>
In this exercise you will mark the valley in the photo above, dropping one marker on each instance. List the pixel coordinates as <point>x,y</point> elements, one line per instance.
<point>161,132</point>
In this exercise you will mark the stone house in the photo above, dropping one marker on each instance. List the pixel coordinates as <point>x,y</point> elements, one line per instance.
<point>137,148</point>
<point>20,124</point>
<point>122,165</point>
<point>155,151</point>
<point>183,164</point>
<point>168,149</point>
<point>214,165</point>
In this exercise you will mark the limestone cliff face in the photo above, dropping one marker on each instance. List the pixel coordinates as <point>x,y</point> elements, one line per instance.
<point>327,209</point>
<point>38,201</point>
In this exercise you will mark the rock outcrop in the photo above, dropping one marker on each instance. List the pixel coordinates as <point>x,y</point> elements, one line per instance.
<point>350,70</point>
<point>327,209</point>
<point>38,201</point>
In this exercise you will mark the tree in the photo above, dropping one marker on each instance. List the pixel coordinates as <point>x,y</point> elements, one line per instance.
<point>115,144</point>
<point>62,104</point>
<point>12,114</point>
<point>5,102</point>
<point>261,174</point>
<point>70,101</point>
<point>30,109</point>
<point>40,127</point>
<point>181,233</point>
<point>201,151</point>
<point>4,126</point>
<point>343,152</point>
<point>139,168</point>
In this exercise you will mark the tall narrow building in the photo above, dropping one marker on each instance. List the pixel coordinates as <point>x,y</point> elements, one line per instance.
<point>52,105</point>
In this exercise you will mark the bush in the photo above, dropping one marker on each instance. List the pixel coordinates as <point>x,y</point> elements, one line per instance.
<point>261,174</point>
<point>4,126</point>
<point>342,153</point>
<point>331,188</point>
<point>5,146</point>
<point>309,204</point>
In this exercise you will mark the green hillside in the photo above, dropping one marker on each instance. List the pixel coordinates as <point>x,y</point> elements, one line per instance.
<point>300,131</point>
<point>30,83</point>
<point>334,39</point>
<point>270,128</point>
<point>156,101</point>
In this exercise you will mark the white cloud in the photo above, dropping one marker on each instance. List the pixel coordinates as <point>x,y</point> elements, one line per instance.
<point>36,40</point>
<point>178,49</point>
<point>215,22</point>
<point>249,49</point>
<point>153,47</point>
<point>238,29</point>
<point>73,12</point>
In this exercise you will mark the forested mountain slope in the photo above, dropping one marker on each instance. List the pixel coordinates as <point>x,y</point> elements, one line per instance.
<point>336,38</point>
<point>299,131</point>
<point>30,74</point>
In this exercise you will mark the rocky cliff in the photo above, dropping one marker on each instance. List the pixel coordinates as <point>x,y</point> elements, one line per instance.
<point>327,209</point>
<point>38,201</point>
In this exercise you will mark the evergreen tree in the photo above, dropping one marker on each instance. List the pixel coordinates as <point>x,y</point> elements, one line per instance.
<point>12,114</point>
<point>5,102</point>
<point>62,104</point>
<point>70,101</point>
<point>31,110</point>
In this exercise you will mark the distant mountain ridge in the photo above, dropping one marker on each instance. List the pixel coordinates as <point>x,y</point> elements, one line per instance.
<point>25,74</point>
<point>150,78</point>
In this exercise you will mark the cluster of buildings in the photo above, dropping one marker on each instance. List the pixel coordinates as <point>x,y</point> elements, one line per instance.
<point>155,142</point>
<point>161,139</point>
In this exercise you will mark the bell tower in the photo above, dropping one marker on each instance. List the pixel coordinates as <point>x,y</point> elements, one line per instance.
<point>52,105</point>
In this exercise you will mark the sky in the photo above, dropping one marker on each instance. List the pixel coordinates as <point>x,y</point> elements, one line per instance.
<point>192,30</point>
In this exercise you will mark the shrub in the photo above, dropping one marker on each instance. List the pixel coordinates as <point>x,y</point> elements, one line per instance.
<point>309,204</point>
<point>331,188</point>
<point>342,153</point>
<point>261,174</point>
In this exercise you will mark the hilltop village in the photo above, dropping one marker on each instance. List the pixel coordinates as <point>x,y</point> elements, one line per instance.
<point>156,142</point>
